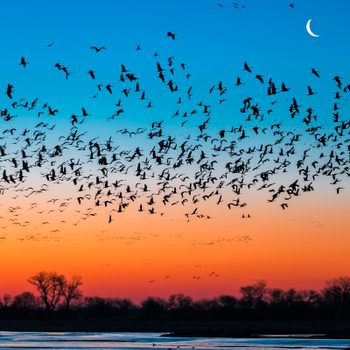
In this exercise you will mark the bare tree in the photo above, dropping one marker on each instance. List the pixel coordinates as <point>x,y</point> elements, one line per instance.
<point>254,295</point>
<point>6,301</point>
<point>48,285</point>
<point>337,291</point>
<point>276,296</point>
<point>70,290</point>
<point>153,307</point>
<point>25,301</point>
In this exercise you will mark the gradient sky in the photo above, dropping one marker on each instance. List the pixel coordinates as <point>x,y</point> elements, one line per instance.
<point>140,255</point>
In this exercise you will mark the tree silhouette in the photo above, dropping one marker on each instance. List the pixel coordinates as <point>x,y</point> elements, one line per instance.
<point>69,290</point>
<point>25,301</point>
<point>153,307</point>
<point>179,305</point>
<point>254,295</point>
<point>178,302</point>
<point>6,300</point>
<point>337,292</point>
<point>276,296</point>
<point>57,295</point>
<point>48,284</point>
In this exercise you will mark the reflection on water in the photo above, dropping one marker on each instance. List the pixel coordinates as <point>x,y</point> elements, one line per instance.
<point>84,340</point>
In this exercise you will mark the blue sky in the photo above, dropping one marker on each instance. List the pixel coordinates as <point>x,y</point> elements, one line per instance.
<point>214,41</point>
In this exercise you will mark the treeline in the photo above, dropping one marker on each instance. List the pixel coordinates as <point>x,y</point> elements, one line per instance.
<point>57,297</point>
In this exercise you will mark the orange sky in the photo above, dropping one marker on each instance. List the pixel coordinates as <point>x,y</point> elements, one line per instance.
<point>300,247</point>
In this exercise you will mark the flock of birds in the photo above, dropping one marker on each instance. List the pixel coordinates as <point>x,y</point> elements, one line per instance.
<point>282,156</point>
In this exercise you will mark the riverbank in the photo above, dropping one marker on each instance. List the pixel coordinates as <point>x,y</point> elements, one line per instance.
<point>247,329</point>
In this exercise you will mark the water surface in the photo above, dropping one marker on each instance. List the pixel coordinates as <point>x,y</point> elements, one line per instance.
<point>98,340</point>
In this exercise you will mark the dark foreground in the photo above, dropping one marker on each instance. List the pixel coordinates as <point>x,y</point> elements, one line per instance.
<point>247,329</point>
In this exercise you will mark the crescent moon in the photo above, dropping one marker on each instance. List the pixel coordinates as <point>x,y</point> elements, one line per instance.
<point>309,29</point>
